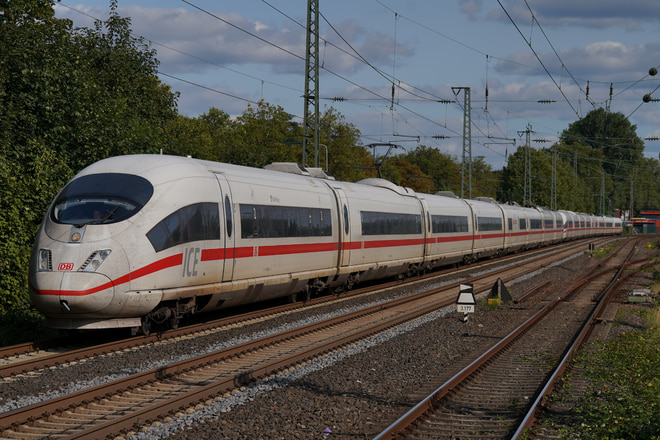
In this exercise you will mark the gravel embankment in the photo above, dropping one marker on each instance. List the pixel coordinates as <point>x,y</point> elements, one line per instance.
<point>350,394</point>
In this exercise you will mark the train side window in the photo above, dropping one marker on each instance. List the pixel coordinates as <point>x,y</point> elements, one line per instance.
<point>266,221</point>
<point>388,223</point>
<point>230,224</point>
<point>510,222</point>
<point>523,223</point>
<point>489,223</point>
<point>345,220</point>
<point>200,221</point>
<point>449,223</point>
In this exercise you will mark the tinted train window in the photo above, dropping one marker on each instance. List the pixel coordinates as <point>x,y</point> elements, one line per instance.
<point>549,224</point>
<point>230,223</point>
<point>523,224</point>
<point>266,221</point>
<point>449,223</point>
<point>385,223</point>
<point>200,221</point>
<point>535,224</point>
<point>489,223</point>
<point>101,199</point>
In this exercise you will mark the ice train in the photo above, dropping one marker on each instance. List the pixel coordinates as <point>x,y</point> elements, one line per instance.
<point>141,239</point>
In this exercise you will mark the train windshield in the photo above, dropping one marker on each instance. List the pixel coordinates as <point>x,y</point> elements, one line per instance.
<point>101,199</point>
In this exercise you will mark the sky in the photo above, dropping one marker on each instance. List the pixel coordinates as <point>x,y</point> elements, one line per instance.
<point>398,70</point>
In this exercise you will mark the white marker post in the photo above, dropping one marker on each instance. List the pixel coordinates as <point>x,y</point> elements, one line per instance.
<point>465,302</point>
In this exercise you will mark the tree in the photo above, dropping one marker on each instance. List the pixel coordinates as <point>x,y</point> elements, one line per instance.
<point>484,181</point>
<point>409,175</point>
<point>207,137</point>
<point>347,159</point>
<point>611,139</point>
<point>441,167</point>
<point>612,134</point>
<point>260,134</point>
<point>67,98</point>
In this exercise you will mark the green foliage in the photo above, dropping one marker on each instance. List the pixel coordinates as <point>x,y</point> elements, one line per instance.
<point>346,156</point>
<point>604,250</point>
<point>443,169</point>
<point>611,134</point>
<point>67,98</point>
<point>265,134</point>
<point>23,325</point>
<point>31,176</point>
<point>625,400</point>
<point>607,142</point>
<point>599,162</point>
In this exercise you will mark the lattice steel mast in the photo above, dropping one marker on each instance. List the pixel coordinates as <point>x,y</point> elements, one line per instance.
<point>311,96</point>
<point>466,165</point>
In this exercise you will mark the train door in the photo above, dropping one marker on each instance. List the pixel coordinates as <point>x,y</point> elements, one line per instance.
<point>227,228</point>
<point>426,224</point>
<point>344,224</point>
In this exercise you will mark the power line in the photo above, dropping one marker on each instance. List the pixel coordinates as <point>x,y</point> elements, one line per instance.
<point>529,43</point>
<point>208,88</point>
<point>204,60</point>
<point>555,51</point>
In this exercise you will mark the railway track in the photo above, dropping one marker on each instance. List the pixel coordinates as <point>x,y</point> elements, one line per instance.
<point>117,406</point>
<point>498,395</point>
<point>23,358</point>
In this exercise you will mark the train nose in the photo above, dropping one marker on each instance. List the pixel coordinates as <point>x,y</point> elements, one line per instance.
<point>63,284</point>
<point>65,294</point>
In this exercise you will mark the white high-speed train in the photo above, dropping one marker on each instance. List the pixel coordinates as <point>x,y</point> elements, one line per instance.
<point>142,239</point>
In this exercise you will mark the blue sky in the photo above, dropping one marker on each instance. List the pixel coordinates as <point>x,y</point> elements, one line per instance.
<point>227,54</point>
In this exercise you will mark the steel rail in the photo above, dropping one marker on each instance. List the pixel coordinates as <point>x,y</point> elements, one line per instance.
<point>50,407</point>
<point>537,406</point>
<point>408,420</point>
<point>61,358</point>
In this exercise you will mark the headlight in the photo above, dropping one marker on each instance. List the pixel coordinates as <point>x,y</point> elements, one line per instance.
<point>45,260</point>
<point>94,261</point>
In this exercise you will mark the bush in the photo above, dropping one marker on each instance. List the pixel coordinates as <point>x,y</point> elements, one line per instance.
<point>624,401</point>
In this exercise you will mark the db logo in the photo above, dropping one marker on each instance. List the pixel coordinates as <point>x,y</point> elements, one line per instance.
<point>65,266</point>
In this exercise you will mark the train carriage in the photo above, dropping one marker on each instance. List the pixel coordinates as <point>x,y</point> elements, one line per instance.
<point>516,236</point>
<point>535,226</point>
<point>550,234</point>
<point>451,232</point>
<point>386,232</point>
<point>488,230</point>
<point>570,221</point>
<point>136,240</point>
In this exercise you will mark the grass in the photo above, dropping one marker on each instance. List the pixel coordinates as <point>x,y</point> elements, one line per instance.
<point>603,250</point>
<point>623,401</point>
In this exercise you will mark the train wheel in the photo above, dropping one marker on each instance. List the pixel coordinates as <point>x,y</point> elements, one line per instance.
<point>174,323</point>
<point>146,327</point>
